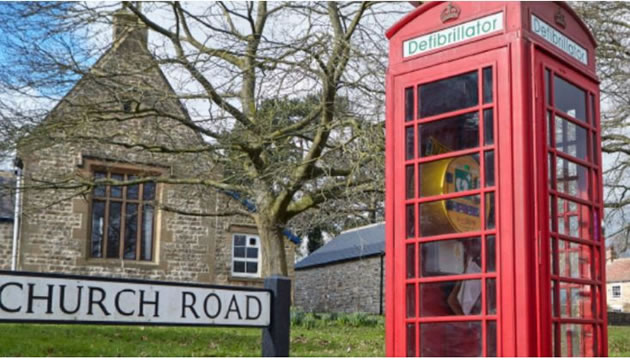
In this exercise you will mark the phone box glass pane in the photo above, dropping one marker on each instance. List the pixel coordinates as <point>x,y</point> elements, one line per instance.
<point>451,134</point>
<point>408,104</point>
<point>449,298</point>
<point>454,93</point>
<point>577,340</point>
<point>573,219</point>
<point>569,98</point>
<point>571,138</point>
<point>575,301</point>
<point>451,257</point>
<point>456,215</point>
<point>451,339</point>
<point>572,178</point>
<point>574,260</point>
<point>449,175</point>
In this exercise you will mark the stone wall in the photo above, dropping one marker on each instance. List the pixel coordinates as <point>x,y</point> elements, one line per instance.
<point>621,303</point>
<point>351,286</point>
<point>6,237</point>
<point>55,234</point>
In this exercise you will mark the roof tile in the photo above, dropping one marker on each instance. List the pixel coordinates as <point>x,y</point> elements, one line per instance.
<point>618,270</point>
<point>352,244</point>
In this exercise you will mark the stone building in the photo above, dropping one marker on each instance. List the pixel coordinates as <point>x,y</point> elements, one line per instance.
<point>7,183</point>
<point>108,128</point>
<point>618,284</point>
<point>344,275</point>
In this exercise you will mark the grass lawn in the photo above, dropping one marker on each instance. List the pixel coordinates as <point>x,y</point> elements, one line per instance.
<point>619,341</point>
<point>88,340</point>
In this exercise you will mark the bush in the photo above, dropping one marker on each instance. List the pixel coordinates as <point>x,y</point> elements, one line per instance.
<point>362,319</point>
<point>297,318</point>
<point>329,318</point>
<point>313,320</point>
<point>310,321</point>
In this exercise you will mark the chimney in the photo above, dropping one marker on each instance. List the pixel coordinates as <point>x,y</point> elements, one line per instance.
<point>611,255</point>
<point>126,22</point>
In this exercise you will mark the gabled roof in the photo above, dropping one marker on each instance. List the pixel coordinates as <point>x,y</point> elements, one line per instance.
<point>618,270</point>
<point>7,184</point>
<point>111,55</point>
<point>352,244</point>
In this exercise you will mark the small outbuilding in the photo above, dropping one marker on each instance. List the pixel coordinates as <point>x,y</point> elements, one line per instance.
<point>345,275</point>
<point>618,285</point>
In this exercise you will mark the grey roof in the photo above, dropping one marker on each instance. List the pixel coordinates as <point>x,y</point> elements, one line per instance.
<point>7,194</point>
<point>352,244</point>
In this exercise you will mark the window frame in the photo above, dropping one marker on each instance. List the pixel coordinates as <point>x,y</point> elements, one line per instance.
<point>487,113</point>
<point>613,288</point>
<point>95,166</point>
<point>574,215</point>
<point>233,258</point>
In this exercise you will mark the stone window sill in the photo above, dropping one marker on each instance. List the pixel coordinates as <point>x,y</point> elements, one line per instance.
<point>120,263</point>
<point>246,279</point>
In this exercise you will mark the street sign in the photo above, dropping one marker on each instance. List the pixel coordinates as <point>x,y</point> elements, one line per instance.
<point>55,298</point>
<point>559,40</point>
<point>453,35</point>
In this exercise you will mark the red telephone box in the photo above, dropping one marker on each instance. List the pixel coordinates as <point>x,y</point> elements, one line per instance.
<point>494,183</point>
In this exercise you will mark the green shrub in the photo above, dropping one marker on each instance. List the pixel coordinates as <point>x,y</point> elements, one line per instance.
<point>359,319</point>
<point>344,319</point>
<point>314,320</point>
<point>310,321</point>
<point>362,319</point>
<point>297,318</point>
<point>329,318</point>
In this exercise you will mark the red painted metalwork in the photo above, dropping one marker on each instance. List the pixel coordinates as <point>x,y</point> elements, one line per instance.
<point>533,194</point>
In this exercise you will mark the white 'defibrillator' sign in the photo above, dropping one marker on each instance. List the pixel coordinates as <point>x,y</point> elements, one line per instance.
<point>55,298</point>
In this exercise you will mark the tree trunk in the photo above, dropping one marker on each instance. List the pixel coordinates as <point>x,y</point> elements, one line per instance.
<point>274,257</point>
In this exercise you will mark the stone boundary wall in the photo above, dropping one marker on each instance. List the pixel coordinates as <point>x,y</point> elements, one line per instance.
<point>618,318</point>
<point>351,286</point>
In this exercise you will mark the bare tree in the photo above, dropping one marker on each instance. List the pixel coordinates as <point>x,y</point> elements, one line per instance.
<point>610,23</point>
<point>286,99</point>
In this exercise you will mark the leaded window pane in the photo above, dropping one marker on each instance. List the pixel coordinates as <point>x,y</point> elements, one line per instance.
<point>98,228</point>
<point>99,190</point>
<point>252,267</point>
<point>239,251</point>
<point>252,253</point>
<point>122,222</point>
<point>131,231</point>
<point>245,255</point>
<point>133,190</point>
<point>147,233</point>
<point>113,230</point>
<point>116,191</point>
<point>148,191</point>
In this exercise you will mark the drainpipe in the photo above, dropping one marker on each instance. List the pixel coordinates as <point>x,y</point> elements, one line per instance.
<point>380,290</point>
<point>16,215</point>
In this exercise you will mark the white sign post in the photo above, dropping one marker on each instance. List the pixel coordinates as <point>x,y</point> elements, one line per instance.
<point>29,297</point>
